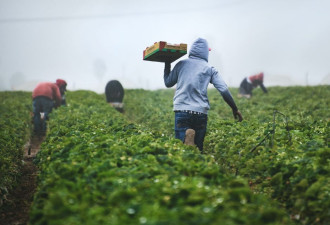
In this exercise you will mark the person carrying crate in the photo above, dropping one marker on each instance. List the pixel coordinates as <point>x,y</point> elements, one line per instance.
<point>190,101</point>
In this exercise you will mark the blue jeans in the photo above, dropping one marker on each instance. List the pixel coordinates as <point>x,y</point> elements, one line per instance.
<point>45,105</point>
<point>198,122</point>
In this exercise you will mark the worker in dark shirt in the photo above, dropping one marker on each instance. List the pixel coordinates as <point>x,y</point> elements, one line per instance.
<point>114,93</point>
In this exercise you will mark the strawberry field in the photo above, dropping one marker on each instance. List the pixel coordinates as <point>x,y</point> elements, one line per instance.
<point>98,166</point>
<point>15,127</point>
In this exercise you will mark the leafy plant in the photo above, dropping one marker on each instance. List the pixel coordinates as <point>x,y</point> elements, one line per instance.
<point>15,127</point>
<point>96,167</point>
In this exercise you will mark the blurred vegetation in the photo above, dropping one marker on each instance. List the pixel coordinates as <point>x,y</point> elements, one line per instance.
<point>15,129</point>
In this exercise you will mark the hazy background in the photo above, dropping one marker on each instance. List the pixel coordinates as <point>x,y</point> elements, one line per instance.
<point>89,42</point>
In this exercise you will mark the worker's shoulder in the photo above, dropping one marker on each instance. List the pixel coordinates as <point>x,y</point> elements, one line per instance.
<point>193,61</point>
<point>45,84</point>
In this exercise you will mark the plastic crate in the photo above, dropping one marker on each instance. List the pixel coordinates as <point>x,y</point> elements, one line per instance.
<point>162,52</point>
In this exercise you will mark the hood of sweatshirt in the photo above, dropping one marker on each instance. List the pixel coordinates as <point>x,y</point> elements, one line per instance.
<point>199,49</point>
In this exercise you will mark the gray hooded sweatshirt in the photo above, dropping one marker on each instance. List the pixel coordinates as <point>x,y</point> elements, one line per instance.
<point>192,77</point>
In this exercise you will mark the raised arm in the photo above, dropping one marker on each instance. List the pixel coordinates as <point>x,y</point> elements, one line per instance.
<point>170,77</point>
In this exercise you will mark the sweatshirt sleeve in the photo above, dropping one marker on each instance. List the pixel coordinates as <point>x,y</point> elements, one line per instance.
<point>221,86</point>
<point>229,100</point>
<point>170,77</point>
<point>217,81</point>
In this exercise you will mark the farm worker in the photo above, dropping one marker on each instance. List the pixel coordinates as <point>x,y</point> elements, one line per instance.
<point>190,101</point>
<point>45,95</point>
<point>62,86</point>
<point>251,82</point>
<point>114,93</point>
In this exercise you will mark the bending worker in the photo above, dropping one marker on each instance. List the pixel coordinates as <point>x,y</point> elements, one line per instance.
<point>251,82</point>
<point>114,93</point>
<point>46,95</point>
<point>191,103</point>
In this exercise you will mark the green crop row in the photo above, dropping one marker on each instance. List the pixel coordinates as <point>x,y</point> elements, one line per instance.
<point>153,109</point>
<point>285,155</point>
<point>15,127</point>
<point>96,167</point>
<point>281,148</point>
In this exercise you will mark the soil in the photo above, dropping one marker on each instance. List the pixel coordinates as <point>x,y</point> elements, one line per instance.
<point>17,207</point>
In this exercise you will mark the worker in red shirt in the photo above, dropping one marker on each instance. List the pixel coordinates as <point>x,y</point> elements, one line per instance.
<point>251,82</point>
<point>46,95</point>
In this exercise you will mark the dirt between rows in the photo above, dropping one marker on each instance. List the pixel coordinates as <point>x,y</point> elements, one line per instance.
<point>17,207</point>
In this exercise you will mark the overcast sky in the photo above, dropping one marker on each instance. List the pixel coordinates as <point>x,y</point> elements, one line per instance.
<point>89,42</point>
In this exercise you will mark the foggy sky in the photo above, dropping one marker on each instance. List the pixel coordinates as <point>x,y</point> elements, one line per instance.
<point>90,42</point>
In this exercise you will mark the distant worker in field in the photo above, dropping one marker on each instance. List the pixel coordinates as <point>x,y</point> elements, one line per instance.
<point>114,93</point>
<point>192,77</point>
<point>46,96</point>
<point>62,86</point>
<point>251,82</point>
